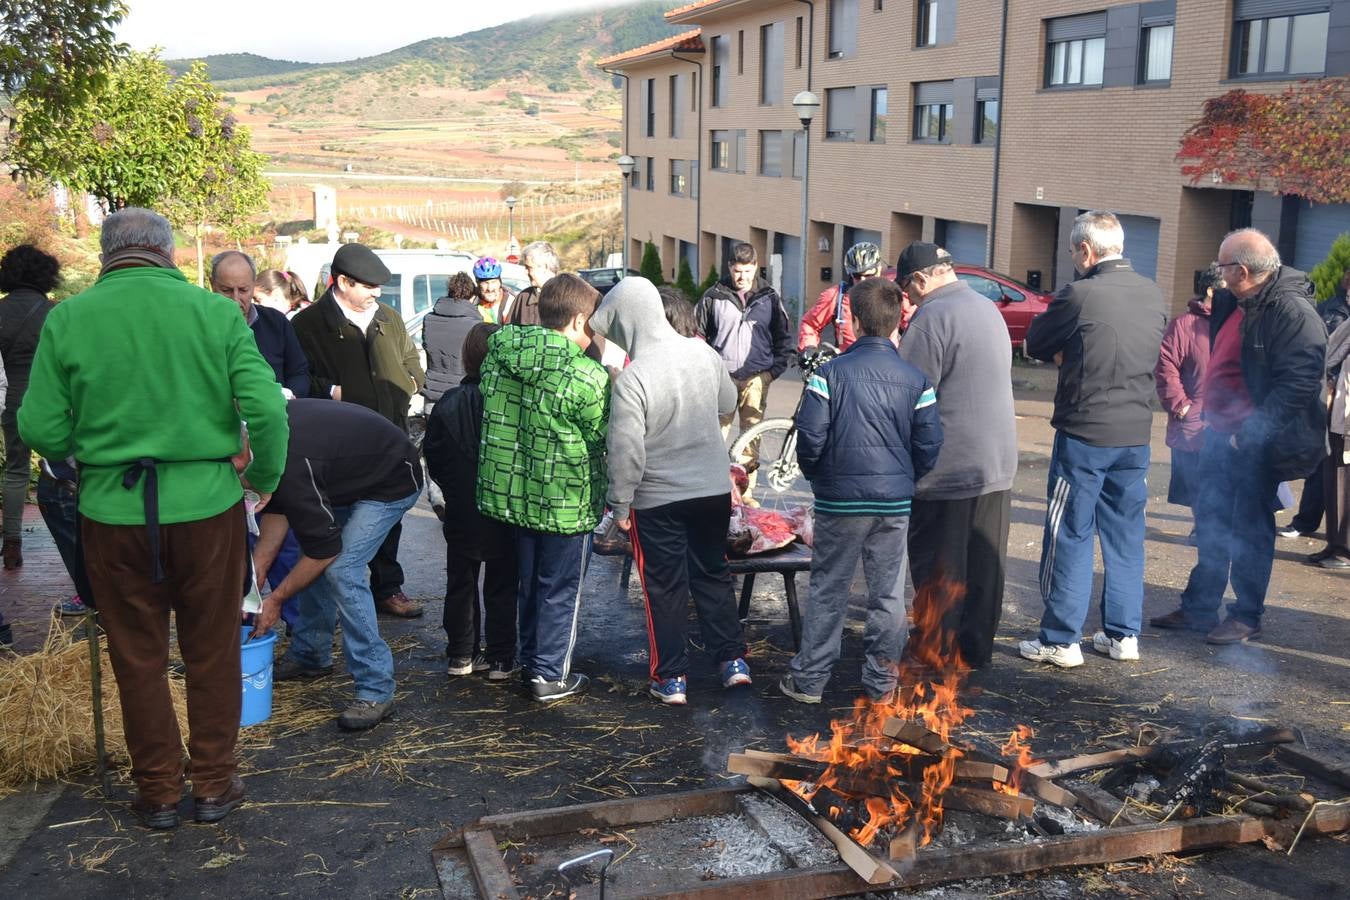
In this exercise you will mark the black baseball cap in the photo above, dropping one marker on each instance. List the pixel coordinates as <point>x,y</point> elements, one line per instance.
<point>919,255</point>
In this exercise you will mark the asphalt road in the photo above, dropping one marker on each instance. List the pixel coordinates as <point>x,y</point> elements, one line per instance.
<point>334,814</point>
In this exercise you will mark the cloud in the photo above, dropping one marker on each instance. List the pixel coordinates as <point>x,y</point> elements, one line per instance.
<point>314,31</point>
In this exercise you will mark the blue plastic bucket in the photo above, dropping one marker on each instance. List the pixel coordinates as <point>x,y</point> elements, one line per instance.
<point>256,660</point>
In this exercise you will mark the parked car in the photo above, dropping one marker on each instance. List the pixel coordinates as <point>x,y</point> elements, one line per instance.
<point>604,279</point>
<point>1017,302</point>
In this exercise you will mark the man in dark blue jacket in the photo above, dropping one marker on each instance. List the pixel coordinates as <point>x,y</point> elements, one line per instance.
<point>233,275</point>
<point>867,431</point>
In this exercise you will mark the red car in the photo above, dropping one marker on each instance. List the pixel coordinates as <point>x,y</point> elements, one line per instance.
<point>1017,303</point>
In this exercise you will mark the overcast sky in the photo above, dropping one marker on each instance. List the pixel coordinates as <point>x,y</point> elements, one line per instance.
<point>316,30</point>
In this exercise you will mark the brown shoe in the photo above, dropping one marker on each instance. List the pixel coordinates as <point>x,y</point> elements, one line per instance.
<point>156,815</point>
<point>1177,619</point>
<point>13,553</point>
<point>399,605</point>
<point>213,809</point>
<point>1231,631</point>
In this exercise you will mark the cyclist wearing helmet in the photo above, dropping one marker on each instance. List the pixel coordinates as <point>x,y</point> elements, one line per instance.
<point>488,273</point>
<point>863,260</point>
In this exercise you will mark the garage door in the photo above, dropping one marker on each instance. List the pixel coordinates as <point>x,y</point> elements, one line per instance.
<point>964,241</point>
<point>1318,225</point>
<point>1141,244</point>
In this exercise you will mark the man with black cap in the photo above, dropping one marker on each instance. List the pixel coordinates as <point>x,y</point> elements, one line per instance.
<point>359,351</point>
<point>959,521</point>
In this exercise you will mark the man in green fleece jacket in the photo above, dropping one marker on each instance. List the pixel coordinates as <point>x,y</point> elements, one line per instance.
<point>145,380</point>
<point>541,467</point>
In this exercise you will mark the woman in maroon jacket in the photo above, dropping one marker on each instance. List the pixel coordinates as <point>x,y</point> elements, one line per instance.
<point>1179,373</point>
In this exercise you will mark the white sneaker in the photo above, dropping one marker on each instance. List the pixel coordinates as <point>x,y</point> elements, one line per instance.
<point>1064,657</point>
<point>1127,648</point>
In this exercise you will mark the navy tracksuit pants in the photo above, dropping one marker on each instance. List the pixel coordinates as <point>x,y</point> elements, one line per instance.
<point>552,567</point>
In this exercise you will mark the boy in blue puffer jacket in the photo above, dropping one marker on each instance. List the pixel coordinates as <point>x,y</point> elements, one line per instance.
<point>867,431</point>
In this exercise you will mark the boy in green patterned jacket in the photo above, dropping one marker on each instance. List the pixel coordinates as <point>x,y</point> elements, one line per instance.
<point>541,468</point>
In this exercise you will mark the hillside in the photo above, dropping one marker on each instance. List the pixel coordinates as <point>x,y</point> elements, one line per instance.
<point>555,51</point>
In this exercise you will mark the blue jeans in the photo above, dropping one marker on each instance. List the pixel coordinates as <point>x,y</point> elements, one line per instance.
<point>343,592</point>
<point>1096,492</point>
<point>57,503</point>
<point>552,567</point>
<point>1234,534</point>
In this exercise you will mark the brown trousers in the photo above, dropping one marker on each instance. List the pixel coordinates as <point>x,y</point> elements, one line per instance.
<point>204,573</point>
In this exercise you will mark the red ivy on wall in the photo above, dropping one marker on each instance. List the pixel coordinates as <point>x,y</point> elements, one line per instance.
<point>1296,142</point>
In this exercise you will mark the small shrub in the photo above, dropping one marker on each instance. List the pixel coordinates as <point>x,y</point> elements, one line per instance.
<point>1326,276</point>
<point>651,265</point>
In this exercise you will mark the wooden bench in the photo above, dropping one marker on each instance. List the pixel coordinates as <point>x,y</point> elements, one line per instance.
<point>787,562</point>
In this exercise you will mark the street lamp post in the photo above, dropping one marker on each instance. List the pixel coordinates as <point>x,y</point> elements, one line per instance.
<point>510,222</point>
<point>806,104</point>
<point>626,166</point>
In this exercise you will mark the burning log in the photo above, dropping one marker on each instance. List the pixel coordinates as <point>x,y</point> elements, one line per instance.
<point>990,803</point>
<point>917,736</point>
<point>908,766</point>
<point>864,864</point>
<point>1192,781</point>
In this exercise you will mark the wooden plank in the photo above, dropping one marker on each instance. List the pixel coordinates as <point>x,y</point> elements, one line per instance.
<point>990,803</point>
<point>1058,767</point>
<point>1314,764</point>
<point>1272,794</point>
<point>1086,848</point>
<point>489,869</point>
<point>1105,808</point>
<point>866,866</point>
<point>603,814</point>
<point>915,735</point>
<point>799,768</point>
<point>1044,788</point>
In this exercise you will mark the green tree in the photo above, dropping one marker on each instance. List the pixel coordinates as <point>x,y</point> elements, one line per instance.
<point>685,281</point>
<point>1326,276</point>
<point>651,265</point>
<point>146,139</point>
<point>56,52</point>
<point>707,283</point>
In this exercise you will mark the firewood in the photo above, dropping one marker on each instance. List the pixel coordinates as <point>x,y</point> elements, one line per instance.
<point>868,867</point>
<point>990,803</point>
<point>915,735</point>
<point>1272,794</point>
<point>1058,767</point>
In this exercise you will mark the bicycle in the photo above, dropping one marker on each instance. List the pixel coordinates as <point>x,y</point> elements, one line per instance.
<point>769,448</point>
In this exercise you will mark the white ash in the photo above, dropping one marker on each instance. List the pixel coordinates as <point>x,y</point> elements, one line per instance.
<point>734,848</point>
<point>803,843</point>
<point>1065,818</point>
<point>1144,788</point>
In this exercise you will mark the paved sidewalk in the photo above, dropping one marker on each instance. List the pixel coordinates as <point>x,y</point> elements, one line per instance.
<point>29,593</point>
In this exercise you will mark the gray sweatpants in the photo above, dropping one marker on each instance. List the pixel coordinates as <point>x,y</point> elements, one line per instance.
<point>840,541</point>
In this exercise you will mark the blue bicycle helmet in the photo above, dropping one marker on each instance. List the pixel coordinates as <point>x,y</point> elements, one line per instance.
<point>487,269</point>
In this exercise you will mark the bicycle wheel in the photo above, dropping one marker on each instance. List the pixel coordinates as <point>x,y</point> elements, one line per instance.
<point>773,443</point>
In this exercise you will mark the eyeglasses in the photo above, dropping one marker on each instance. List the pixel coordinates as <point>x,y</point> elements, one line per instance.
<point>1219,265</point>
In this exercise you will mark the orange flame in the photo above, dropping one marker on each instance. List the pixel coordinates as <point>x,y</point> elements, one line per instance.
<point>1019,751</point>
<point>929,684</point>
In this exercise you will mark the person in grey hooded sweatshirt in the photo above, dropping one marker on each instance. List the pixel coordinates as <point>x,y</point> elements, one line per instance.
<point>669,486</point>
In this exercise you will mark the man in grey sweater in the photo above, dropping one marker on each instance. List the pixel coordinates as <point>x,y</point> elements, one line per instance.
<point>669,485</point>
<point>958,529</point>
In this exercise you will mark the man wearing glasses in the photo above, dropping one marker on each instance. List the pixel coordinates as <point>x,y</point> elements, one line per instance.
<point>1105,331</point>
<point>1265,422</point>
<point>359,351</point>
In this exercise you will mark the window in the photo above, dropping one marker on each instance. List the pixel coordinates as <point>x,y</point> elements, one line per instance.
<point>933,123</point>
<point>1076,50</point>
<point>986,121</point>
<point>926,19</point>
<point>843,28</point>
<point>693,179</point>
<point>1156,45</point>
<point>636,177</point>
<point>840,119</point>
<point>934,111</point>
<point>427,289</point>
<point>1282,45</point>
<point>988,287</point>
<point>877,131</point>
<point>678,181</point>
<point>740,151</point>
<point>771,154</point>
<point>720,158</point>
<point>720,54</point>
<point>649,106</point>
<point>771,64</point>
<point>798,153</point>
<point>651,174</point>
<point>799,43</point>
<point>676,107</point>
<point>392,290</point>
<point>740,53</point>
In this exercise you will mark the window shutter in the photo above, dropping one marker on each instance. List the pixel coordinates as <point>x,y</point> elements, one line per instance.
<point>928,92</point>
<point>1072,28</point>
<point>1265,9</point>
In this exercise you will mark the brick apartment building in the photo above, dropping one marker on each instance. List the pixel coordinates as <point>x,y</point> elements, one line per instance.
<point>939,121</point>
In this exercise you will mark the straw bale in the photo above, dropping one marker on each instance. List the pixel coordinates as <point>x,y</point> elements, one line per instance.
<point>46,711</point>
